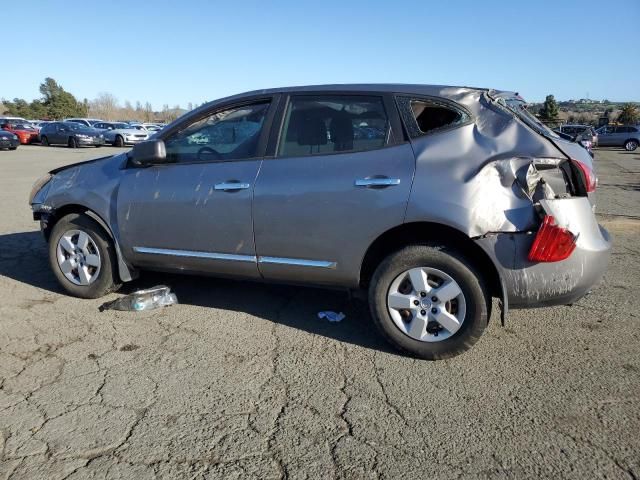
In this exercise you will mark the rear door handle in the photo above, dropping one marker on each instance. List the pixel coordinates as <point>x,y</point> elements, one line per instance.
<point>379,182</point>
<point>231,186</point>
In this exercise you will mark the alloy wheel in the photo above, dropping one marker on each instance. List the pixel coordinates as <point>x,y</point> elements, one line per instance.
<point>78,257</point>
<point>426,304</point>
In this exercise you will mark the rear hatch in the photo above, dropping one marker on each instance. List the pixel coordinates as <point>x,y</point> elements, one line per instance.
<point>571,149</point>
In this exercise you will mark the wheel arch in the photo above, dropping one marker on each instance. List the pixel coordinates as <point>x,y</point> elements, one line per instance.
<point>417,232</point>
<point>125,272</point>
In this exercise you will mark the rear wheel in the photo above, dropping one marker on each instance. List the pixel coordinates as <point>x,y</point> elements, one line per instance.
<point>630,145</point>
<point>44,141</point>
<point>429,301</point>
<point>72,143</point>
<point>119,141</point>
<point>82,257</point>
<point>13,148</point>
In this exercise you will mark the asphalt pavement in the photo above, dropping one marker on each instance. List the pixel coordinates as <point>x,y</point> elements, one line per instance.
<point>242,380</point>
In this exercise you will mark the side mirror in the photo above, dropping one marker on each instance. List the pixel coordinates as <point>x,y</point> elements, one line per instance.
<point>148,152</point>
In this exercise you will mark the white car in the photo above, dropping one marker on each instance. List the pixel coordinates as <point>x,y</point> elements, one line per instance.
<point>120,134</point>
<point>87,122</point>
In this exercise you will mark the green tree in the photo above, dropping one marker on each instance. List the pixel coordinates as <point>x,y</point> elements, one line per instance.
<point>629,114</point>
<point>549,109</point>
<point>58,102</point>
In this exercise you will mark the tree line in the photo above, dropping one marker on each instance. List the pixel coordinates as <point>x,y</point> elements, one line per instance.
<point>549,113</point>
<point>56,103</point>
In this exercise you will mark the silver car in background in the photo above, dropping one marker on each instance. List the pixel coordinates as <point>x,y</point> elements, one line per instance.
<point>433,199</point>
<point>120,134</point>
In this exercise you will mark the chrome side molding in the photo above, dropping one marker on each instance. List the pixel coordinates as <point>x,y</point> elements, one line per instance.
<point>188,253</point>
<point>297,262</point>
<point>236,258</point>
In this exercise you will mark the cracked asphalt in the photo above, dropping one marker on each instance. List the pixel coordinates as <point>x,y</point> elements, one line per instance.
<point>242,380</point>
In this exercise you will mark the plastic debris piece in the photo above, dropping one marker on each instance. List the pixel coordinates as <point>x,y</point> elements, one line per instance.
<point>148,299</point>
<point>332,316</point>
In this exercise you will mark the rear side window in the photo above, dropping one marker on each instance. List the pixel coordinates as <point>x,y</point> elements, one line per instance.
<point>325,124</point>
<point>424,116</point>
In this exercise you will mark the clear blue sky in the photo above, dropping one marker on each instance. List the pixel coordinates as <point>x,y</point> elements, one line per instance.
<point>176,52</point>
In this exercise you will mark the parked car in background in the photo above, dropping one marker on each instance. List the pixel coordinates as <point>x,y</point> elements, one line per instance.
<point>120,134</point>
<point>586,132</point>
<point>147,127</point>
<point>8,140</point>
<point>452,196</point>
<point>587,145</point>
<point>87,122</point>
<point>627,136</point>
<point>24,131</point>
<point>8,119</point>
<point>72,134</point>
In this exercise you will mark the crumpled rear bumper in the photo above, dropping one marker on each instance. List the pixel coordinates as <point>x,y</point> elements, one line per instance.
<point>539,284</point>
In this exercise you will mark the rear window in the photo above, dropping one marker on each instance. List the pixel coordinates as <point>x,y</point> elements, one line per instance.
<point>424,116</point>
<point>519,108</point>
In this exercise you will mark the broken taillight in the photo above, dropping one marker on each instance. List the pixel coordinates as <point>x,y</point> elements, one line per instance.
<point>552,243</point>
<point>590,180</point>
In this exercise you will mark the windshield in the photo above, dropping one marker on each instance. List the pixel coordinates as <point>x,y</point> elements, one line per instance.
<point>519,107</point>
<point>120,125</point>
<point>74,125</point>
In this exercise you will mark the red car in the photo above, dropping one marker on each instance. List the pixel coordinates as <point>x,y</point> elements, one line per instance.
<point>25,133</point>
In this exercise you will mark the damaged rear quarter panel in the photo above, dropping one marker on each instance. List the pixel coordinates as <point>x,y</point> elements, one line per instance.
<point>465,176</point>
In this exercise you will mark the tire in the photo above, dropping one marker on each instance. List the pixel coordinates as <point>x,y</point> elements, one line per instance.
<point>103,274</point>
<point>13,148</point>
<point>472,305</point>
<point>44,141</point>
<point>72,143</point>
<point>119,142</point>
<point>630,145</point>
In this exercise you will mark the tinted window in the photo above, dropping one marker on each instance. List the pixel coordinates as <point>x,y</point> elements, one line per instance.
<point>426,116</point>
<point>225,135</point>
<point>333,123</point>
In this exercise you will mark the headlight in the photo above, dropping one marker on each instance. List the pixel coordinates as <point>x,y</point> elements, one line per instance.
<point>15,137</point>
<point>38,186</point>
<point>101,136</point>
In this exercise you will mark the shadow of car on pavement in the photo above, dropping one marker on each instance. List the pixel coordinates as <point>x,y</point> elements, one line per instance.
<point>24,258</point>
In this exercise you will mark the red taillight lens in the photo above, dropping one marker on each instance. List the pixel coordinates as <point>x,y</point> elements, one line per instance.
<point>552,243</point>
<point>589,177</point>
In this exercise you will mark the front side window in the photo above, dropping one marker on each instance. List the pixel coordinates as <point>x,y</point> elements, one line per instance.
<point>229,134</point>
<point>324,124</point>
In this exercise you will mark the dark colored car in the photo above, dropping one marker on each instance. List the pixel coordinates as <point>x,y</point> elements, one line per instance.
<point>8,140</point>
<point>626,136</point>
<point>433,199</point>
<point>71,134</point>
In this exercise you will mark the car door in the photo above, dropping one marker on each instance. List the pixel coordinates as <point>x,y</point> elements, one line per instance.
<point>340,177</point>
<point>194,213</point>
<point>61,132</point>
<point>605,136</point>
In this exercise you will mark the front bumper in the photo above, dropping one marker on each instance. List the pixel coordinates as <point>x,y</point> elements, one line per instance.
<point>90,141</point>
<point>9,143</point>
<point>541,284</point>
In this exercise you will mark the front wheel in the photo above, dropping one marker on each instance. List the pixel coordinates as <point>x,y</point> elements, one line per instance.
<point>429,301</point>
<point>82,257</point>
<point>72,143</point>
<point>119,141</point>
<point>630,145</point>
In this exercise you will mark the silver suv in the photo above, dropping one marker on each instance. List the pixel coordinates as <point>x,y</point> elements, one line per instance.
<point>627,136</point>
<point>433,199</point>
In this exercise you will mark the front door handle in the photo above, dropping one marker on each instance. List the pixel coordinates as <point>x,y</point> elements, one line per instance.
<point>231,186</point>
<point>377,182</point>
